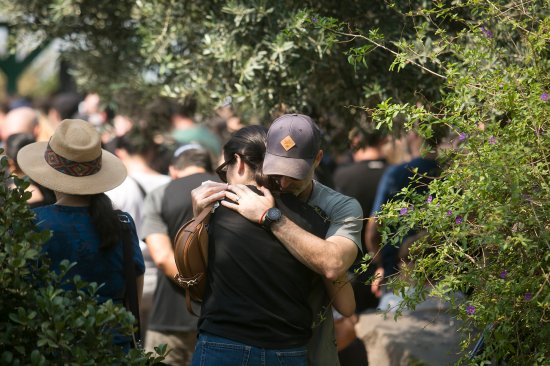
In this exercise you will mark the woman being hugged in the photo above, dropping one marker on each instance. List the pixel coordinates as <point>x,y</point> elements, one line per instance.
<point>86,230</point>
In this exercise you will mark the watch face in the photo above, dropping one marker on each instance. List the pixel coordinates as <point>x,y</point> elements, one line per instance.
<point>273,214</point>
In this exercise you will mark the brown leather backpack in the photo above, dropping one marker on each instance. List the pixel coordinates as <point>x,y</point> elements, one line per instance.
<point>191,255</point>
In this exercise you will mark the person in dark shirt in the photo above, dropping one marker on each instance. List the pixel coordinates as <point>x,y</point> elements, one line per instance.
<point>166,209</point>
<point>359,180</point>
<point>256,301</point>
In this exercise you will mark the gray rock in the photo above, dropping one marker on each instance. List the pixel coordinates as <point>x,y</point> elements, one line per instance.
<point>423,337</point>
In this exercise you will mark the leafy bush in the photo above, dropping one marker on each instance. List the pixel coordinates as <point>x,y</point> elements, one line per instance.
<point>41,323</point>
<point>487,219</point>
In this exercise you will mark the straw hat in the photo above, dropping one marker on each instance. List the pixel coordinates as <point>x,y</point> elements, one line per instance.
<point>72,161</point>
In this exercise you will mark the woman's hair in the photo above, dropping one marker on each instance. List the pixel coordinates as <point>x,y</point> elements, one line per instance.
<point>250,143</point>
<point>105,220</point>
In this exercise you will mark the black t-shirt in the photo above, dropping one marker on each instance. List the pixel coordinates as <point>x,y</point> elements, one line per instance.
<point>169,312</point>
<point>360,181</point>
<point>257,292</point>
<point>177,207</point>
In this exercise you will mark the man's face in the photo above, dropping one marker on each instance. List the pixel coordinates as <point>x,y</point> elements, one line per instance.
<point>301,188</point>
<point>291,185</point>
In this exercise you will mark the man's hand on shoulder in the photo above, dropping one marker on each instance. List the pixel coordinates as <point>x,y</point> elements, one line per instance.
<point>247,202</point>
<point>206,194</point>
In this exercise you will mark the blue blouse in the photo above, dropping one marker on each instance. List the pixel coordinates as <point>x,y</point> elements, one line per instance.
<point>74,238</point>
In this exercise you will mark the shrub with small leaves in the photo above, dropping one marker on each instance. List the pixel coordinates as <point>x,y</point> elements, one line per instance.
<point>487,219</point>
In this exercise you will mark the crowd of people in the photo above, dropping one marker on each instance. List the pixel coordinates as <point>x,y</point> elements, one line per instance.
<point>285,242</point>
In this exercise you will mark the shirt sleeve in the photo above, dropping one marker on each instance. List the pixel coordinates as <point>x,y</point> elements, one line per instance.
<point>343,212</point>
<point>152,219</point>
<point>346,220</point>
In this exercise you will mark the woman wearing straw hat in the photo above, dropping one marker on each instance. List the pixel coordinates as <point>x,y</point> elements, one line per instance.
<point>85,228</point>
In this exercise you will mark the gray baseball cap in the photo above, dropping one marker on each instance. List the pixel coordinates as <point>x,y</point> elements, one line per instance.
<point>293,141</point>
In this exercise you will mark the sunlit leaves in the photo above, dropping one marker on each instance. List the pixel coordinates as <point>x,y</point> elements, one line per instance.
<point>486,218</point>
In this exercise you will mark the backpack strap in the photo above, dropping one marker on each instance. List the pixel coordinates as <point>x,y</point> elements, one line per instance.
<point>141,189</point>
<point>203,217</point>
<point>130,294</point>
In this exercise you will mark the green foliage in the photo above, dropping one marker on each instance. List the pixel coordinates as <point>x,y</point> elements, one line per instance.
<point>486,221</point>
<point>270,56</point>
<point>41,323</point>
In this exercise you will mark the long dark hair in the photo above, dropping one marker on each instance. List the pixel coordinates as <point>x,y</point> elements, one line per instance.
<point>105,220</point>
<point>249,143</point>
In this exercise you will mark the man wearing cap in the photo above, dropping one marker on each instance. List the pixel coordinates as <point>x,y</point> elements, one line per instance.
<point>293,152</point>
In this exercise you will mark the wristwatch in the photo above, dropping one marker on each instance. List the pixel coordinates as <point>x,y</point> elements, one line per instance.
<point>272,215</point>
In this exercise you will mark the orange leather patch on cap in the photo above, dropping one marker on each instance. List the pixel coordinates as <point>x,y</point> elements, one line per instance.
<point>288,143</point>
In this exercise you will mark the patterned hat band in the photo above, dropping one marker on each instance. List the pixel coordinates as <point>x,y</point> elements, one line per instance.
<point>69,167</point>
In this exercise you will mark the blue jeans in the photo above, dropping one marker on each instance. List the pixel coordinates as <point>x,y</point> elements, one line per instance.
<point>217,351</point>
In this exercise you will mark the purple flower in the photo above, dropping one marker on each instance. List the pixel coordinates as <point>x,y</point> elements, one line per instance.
<point>449,213</point>
<point>471,310</point>
<point>462,136</point>
<point>486,32</point>
<point>544,97</point>
<point>539,131</point>
<point>503,274</point>
<point>458,220</point>
<point>314,20</point>
<point>429,199</point>
<point>492,140</point>
<point>528,296</point>
<point>404,211</point>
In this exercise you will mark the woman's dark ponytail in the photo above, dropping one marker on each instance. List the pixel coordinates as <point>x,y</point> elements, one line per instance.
<point>105,220</point>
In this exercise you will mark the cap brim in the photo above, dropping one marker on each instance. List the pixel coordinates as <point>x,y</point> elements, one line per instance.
<point>289,167</point>
<point>31,161</point>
